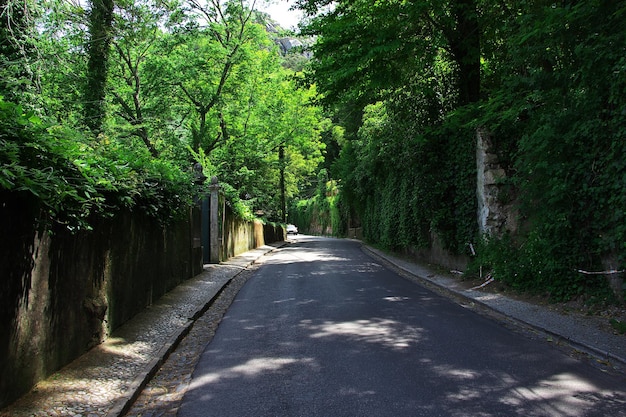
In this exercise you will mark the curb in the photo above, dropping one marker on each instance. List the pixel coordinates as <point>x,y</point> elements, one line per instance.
<point>126,401</point>
<point>139,383</point>
<point>592,351</point>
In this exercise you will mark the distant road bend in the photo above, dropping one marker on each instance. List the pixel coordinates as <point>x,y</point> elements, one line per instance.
<point>322,329</point>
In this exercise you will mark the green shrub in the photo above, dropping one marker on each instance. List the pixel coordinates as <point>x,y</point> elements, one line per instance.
<point>535,265</point>
<point>325,210</point>
<point>74,178</point>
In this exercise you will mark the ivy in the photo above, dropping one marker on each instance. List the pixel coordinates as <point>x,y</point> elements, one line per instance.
<point>552,96</point>
<point>559,116</point>
<point>324,211</point>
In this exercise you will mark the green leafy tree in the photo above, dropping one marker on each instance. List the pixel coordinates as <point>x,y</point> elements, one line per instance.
<point>205,62</point>
<point>61,47</point>
<point>558,107</point>
<point>277,147</point>
<point>137,38</point>
<point>393,72</point>
<point>366,50</point>
<point>19,81</point>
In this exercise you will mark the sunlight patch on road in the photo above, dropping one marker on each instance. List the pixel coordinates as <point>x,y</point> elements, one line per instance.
<point>449,371</point>
<point>389,333</point>
<point>288,257</point>
<point>252,368</point>
<point>393,299</point>
<point>285,300</point>
<point>564,394</point>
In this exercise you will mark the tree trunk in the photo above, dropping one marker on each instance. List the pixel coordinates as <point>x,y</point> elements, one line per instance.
<point>101,34</point>
<point>465,45</point>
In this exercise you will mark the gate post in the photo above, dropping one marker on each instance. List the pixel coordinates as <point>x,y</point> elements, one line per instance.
<point>214,225</point>
<point>206,239</point>
<point>196,225</point>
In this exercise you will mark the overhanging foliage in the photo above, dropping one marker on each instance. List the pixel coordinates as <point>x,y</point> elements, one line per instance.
<point>552,94</point>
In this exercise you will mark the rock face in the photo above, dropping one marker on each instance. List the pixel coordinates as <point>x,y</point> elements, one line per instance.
<point>495,215</point>
<point>287,44</point>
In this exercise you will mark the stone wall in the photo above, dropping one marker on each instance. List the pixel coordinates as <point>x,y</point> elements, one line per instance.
<point>495,214</point>
<point>63,293</point>
<point>436,254</point>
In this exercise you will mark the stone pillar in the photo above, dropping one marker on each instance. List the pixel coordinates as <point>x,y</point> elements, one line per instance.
<point>494,215</point>
<point>214,224</point>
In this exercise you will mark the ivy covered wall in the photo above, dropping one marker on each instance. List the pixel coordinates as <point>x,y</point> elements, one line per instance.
<point>545,81</point>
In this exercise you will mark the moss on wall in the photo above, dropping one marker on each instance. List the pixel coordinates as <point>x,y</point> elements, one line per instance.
<point>63,293</point>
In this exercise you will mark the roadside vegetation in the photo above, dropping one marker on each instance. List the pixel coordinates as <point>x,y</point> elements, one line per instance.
<point>410,82</point>
<point>107,105</point>
<point>324,213</point>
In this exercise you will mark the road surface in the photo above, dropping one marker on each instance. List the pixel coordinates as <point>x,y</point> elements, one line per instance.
<point>322,329</point>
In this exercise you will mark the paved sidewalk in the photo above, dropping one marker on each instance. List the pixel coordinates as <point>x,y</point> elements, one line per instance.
<point>106,380</point>
<point>581,332</point>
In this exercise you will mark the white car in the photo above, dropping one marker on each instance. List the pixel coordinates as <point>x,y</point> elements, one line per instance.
<point>292,229</point>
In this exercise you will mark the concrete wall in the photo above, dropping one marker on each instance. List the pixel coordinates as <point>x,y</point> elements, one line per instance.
<point>437,255</point>
<point>63,293</point>
<point>239,236</point>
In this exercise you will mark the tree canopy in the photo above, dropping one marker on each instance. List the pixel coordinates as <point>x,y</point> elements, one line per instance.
<point>412,81</point>
<point>106,104</point>
<point>123,87</point>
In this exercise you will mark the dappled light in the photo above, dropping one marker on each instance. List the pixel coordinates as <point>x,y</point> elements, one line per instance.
<point>388,333</point>
<point>457,374</point>
<point>120,347</point>
<point>287,256</point>
<point>395,299</point>
<point>253,368</point>
<point>322,330</point>
<point>456,390</point>
<point>418,127</point>
<point>561,394</point>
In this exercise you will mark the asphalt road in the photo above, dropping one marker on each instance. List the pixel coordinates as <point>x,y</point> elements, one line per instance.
<point>322,329</point>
